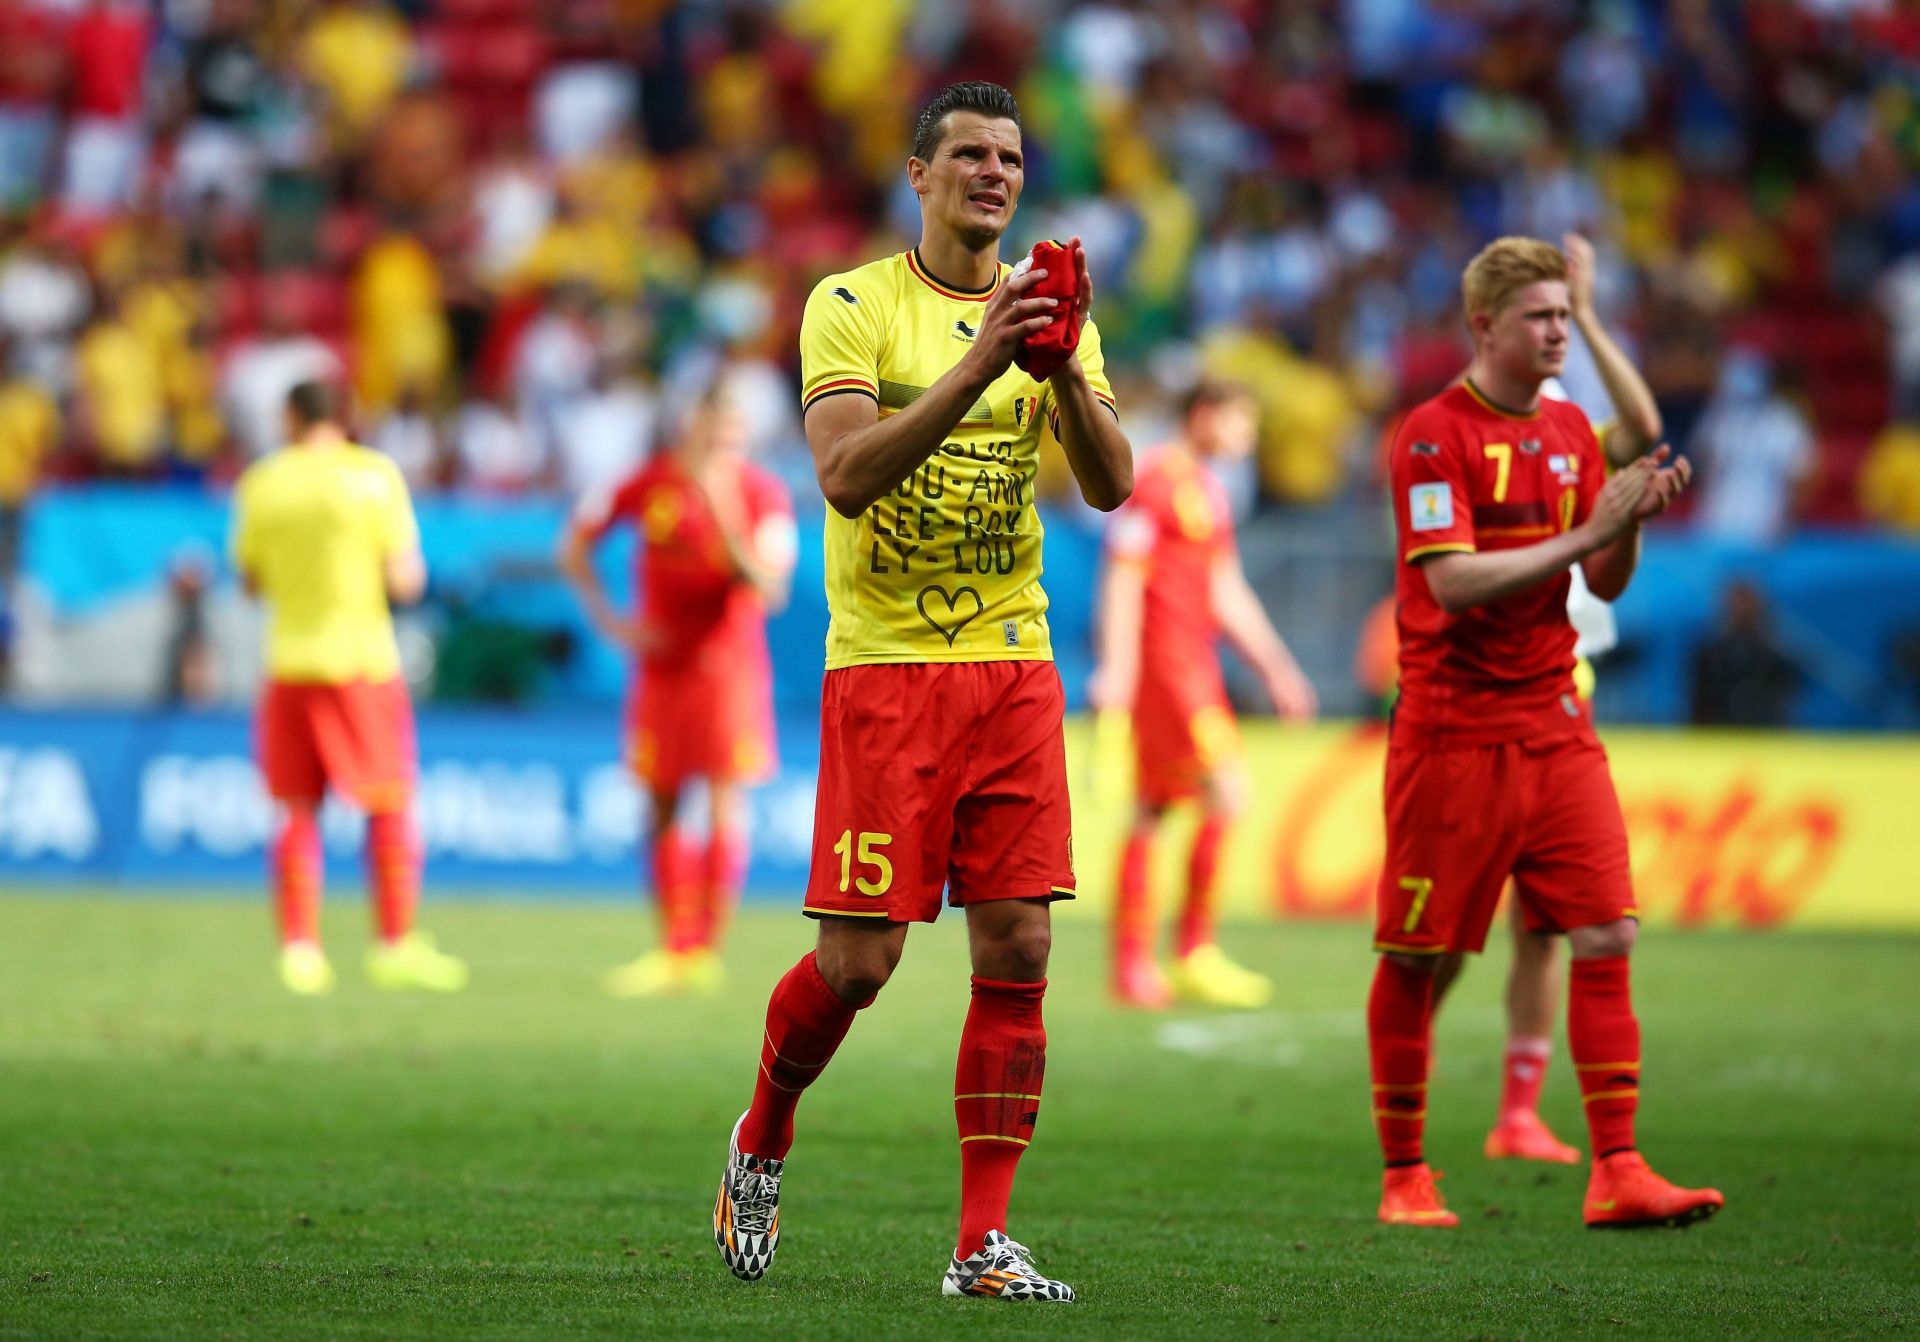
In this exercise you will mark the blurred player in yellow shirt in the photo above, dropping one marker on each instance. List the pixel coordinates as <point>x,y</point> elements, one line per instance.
<point>323,531</point>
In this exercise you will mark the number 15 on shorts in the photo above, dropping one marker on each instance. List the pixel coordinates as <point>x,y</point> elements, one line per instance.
<point>865,848</point>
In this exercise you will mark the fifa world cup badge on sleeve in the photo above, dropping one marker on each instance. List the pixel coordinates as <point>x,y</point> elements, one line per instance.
<point>1431,506</point>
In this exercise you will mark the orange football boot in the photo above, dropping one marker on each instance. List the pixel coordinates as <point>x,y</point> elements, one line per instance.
<point>1521,1134</point>
<point>1408,1198</point>
<point>1623,1194</point>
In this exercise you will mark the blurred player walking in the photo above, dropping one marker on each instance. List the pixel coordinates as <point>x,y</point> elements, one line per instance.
<point>716,552</point>
<point>1173,585</point>
<point>1493,768</point>
<point>323,532</point>
<point>942,760</point>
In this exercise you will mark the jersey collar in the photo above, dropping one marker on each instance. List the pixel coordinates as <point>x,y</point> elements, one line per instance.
<point>945,290</point>
<point>1507,412</point>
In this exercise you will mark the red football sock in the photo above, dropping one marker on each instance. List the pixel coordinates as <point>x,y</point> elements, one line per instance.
<point>1133,906</point>
<point>1604,1037</point>
<point>1399,1032</point>
<point>1196,915</point>
<point>676,888</point>
<point>726,868</point>
<point>996,1098</point>
<point>297,876</point>
<point>1524,1072</point>
<point>806,1021</point>
<point>393,870</point>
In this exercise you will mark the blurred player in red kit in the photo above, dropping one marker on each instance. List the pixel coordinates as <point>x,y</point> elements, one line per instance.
<point>1493,768</point>
<point>716,551</point>
<point>1173,585</point>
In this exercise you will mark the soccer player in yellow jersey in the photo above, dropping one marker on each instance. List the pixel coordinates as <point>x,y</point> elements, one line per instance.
<point>942,764</point>
<point>324,532</point>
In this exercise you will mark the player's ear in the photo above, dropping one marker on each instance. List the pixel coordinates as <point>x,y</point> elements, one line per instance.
<point>917,175</point>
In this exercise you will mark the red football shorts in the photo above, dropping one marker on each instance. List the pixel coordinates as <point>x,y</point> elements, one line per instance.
<point>1182,732</point>
<point>703,718</point>
<point>1460,821</point>
<point>940,775</point>
<point>356,737</point>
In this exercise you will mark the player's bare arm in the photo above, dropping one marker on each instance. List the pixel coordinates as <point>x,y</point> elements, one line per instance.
<point>757,557</point>
<point>1636,426</point>
<point>1606,544</point>
<point>576,564</point>
<point>406,576</point>
<point>859,457</point>
<point>1096,448</point>
<point>1123,602</point>
<point>1244,621</point>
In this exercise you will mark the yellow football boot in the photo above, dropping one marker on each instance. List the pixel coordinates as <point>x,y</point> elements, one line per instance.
<point>1206,976</point>
<point>415,963</point>
<point>304,969</point>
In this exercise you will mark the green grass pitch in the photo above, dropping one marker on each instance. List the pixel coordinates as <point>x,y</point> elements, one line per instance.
<point>186,1152</point>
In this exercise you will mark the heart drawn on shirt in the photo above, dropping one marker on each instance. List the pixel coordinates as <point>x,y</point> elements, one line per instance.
<point>949,623</point>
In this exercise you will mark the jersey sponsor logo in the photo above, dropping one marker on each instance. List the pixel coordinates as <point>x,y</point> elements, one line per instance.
<point>964,332</point>
<point>1424,450</point>
<point>943,609</point>
<point>1430,506</point>
<point>843,293</point>
<point>1530,446</point>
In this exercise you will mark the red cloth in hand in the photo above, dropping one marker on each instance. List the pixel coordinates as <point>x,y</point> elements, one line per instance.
<point>1043,352</point>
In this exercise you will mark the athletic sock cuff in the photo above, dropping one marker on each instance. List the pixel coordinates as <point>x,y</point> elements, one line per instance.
<point>1007,988</point>
<point>816,983</point>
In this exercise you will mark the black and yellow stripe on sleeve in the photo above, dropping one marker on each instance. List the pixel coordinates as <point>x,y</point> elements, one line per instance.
<point>838,386</point>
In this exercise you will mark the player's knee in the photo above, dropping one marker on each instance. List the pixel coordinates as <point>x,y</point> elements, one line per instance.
<point>666,808</point>
<point>1431,965</point>
<point>1017,952</point>
<point>1614,938</point>
<point>856,962</point>
<point>857,977</point>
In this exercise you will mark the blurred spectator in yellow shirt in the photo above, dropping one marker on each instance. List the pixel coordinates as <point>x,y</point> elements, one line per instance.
<point>399,323</point>
<point>1890,478</point>
<point>1306,412</point>
<point>118,394</point>
<point>357,51</point>
<point>29,432</point>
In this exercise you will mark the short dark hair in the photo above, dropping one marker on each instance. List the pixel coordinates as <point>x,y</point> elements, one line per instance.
<point>1211,391</point>
<point>313,403</point>
<point>971,95</point>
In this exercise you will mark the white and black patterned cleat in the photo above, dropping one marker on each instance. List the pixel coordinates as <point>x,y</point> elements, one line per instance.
<point>1001,1271</point>
<point>746,1214</point>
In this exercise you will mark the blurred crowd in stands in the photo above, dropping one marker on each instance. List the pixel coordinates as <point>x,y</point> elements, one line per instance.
<point>521,229</point>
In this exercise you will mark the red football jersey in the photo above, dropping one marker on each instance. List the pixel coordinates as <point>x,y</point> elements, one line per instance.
<point>687,587</point>
<point>1177,525</point>
<point>1468,476</point>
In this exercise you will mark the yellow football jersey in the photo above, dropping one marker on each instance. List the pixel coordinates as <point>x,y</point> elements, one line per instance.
<point>313,527</point>
<point>946,568</point>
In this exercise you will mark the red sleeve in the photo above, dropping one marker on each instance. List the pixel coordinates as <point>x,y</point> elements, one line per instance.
<point>599,512</point>
<point>1432,495</point>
